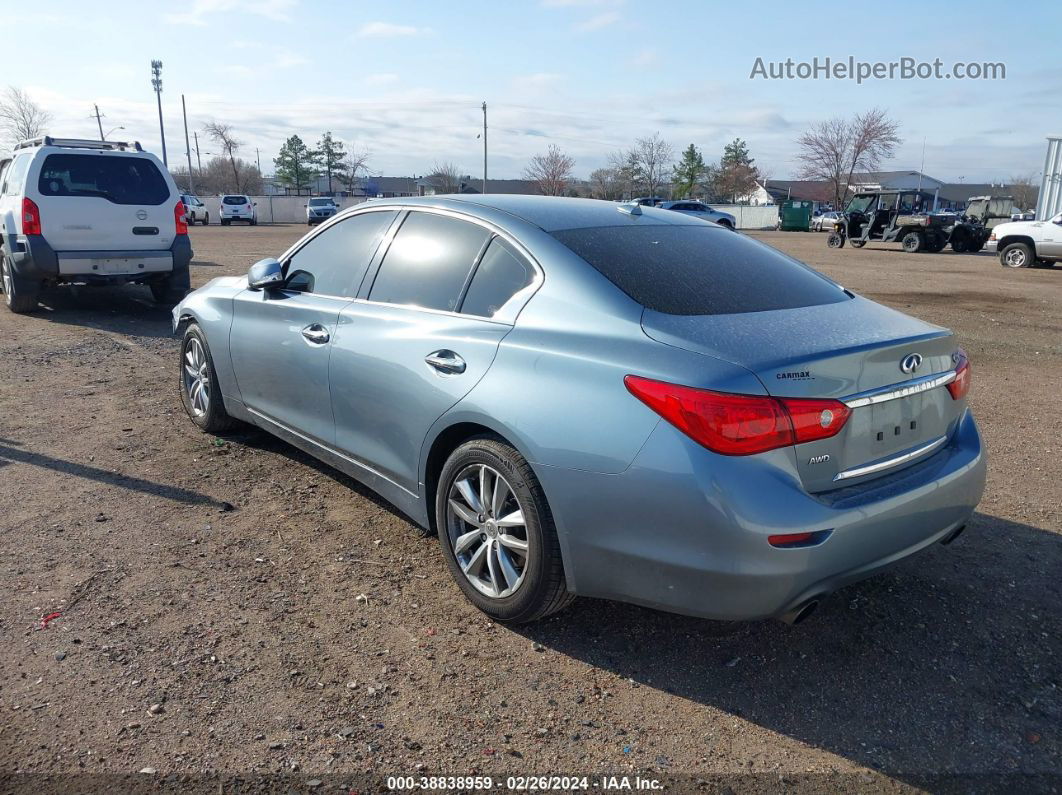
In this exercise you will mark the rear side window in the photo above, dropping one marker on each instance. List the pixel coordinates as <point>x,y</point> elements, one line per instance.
<point>428,262</point>
<point>16,176</point>
<point>118,179</point>
<point>699,270</point>
<point>334,261</point>
<point>500,275</point>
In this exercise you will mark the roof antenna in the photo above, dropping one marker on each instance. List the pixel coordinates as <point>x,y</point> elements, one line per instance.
<point>630,209</point>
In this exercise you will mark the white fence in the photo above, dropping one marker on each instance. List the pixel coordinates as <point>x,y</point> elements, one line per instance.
<point>749,217</point>
<point>277,209</point>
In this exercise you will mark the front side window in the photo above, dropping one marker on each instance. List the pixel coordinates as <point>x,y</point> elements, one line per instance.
<point>500,275</point>
<point>334,261</point>
<point>116,178</point>
<point>428,262</point>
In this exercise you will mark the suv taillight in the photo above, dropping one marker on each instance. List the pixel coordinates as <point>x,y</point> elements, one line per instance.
<point>179,218</point>
<point>961,385</point>
<point>740,424</point>
<point>31,218</point>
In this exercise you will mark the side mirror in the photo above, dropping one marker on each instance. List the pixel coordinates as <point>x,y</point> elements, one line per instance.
<point>255,203</point>
<point>264,274</point>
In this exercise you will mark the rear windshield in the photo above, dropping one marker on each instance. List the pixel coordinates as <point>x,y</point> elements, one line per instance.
<point>234,200</point>
<point>699,270</point>
<point>320,202</point>
<point>122,180</point>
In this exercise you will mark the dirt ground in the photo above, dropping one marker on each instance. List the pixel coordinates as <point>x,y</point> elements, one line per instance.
<point>231,605</point>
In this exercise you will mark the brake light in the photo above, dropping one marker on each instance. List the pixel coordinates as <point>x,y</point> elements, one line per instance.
<point>789,539</point>
<point>179,218</point>
<point>961,385</point>
<point>739,424</point>
<point>31,218</point>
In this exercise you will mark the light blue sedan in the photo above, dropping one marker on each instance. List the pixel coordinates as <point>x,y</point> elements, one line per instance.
<point>702,211</point>
<point>584,398</point>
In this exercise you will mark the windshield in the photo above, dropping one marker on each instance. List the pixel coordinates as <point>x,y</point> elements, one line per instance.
<point>321,202</point>
<point>118,179</point>
<point>235,200</point>
<point>699,270</point>
<point>860,204</point>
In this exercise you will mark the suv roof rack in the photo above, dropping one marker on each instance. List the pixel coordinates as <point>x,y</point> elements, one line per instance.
<point>79,143</point>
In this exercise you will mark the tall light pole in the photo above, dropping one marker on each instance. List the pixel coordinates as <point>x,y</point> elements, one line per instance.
<point>187,147</point>
<point>484,146</point>
<point>198,161</point>
<point>156,83</point>
<point>98,122</point>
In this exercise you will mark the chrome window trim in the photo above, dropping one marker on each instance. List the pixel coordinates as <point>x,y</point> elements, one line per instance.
<point>901,390</point>
<point>888,463</point>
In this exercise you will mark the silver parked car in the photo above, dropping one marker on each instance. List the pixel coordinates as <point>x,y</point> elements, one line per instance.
<point>581,397</point>
<point>702,211</point>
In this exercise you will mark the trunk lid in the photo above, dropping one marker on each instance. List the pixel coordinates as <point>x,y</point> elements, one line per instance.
<point>835,351</point>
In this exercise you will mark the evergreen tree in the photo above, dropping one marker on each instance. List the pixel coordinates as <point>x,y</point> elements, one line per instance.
<point>296,165</point>
<point>688,172</point>
<point>331,158</point>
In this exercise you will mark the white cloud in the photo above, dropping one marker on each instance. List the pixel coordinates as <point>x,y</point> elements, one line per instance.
<point>647,57</point>
<point>598,21</point>
<point>382,79</point>
<point>198,10</point>
<point>388,30</point>
<point>286,60</point>
<point>536,83</point>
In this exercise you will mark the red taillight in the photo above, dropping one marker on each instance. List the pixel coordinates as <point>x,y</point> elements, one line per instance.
<point>961,385</point>
<point>179,218</point>
<point>739,424</point>
<point>31,218</point>
<point>789,539</point>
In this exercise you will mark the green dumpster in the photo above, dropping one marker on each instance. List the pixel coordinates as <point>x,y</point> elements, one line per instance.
<point>796,216</point>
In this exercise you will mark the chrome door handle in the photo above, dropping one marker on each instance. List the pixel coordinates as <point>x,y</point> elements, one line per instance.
<point>446,362</point>
<point>316,333</point>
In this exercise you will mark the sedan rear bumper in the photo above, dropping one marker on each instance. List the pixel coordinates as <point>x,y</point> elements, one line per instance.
<point>685,530</point>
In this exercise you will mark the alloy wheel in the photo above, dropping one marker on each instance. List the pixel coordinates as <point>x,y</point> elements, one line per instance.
<point>196,377</point>
<point>487,532</point>
<point>1015,258</point>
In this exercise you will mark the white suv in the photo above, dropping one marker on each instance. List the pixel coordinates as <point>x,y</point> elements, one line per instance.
<point>89,212</point>
<point>238,207</point>
<point>194,210</point>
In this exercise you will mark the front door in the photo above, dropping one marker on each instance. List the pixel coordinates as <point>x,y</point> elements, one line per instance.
<point>281,339</point>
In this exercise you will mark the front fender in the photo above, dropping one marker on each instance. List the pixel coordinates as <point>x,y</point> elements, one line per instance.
<point>210,307</point>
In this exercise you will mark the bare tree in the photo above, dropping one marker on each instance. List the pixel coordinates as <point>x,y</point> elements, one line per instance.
<point>20,117</point>
<point>222,134</point>
<point>354,162</point>
<point>1023,189</point>
<point>833,150</point>
<point>445,178</point>
<point>606,183</point>
<point>651,159</point>
<point>621,163</point>
<point>551,172</point>
<point>216,177</point>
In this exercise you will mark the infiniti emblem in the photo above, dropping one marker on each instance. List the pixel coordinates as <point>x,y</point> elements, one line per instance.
<point>911,362</point>
<point>141,215</point>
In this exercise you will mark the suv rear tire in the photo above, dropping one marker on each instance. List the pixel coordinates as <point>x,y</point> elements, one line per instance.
<point>170,290</point>
<point>20,296</point>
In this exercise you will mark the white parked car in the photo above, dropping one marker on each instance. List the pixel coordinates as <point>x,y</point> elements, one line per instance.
<point>238,207</point>
<point>826,220</point>
<point>701,210</point>
<point>1026,244</point>
<point>320,209</point>
<point>89,212</point>
<point>194,210</point>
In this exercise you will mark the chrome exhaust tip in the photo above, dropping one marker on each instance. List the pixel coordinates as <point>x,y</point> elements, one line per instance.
<point>952,535</point>
<point>798,614</point>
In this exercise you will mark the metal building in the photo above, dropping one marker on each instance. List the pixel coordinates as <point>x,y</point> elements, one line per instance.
<point>1050,202</point>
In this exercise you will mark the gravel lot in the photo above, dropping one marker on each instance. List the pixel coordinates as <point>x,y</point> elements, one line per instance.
<point>231,605</point>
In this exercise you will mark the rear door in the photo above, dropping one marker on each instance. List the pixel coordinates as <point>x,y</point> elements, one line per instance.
<point>103,201</point>
<point>281,339</point>
<point>421,336</point>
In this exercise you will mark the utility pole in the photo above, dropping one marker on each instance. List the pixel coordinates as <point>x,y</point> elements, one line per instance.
<point>187,147</point>
<point>484,146</point>
<point>198,162</point>
<point>258,160</point>
<point>98,122</point>
<point>156,83</point>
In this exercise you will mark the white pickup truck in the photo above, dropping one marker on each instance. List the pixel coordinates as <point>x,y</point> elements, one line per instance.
<point>1026,244</point>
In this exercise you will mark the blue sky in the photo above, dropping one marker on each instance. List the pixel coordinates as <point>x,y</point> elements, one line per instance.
<point>404,79</point>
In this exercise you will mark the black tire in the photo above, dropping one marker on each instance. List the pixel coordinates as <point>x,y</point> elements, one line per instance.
<point>170,290</point>
<point>913,242</point>
<point>214,419</point>
<point>542,590</point>
<point>225,221</point>
<point>254,222</point>
<point>20,294</point>
<point>858,243</point>
<point>726,223</point>
<point>835,240</point>
<point>936,244</point>
<point>1017,255</point>
<point>960,241</point>
<point>206,220</point>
